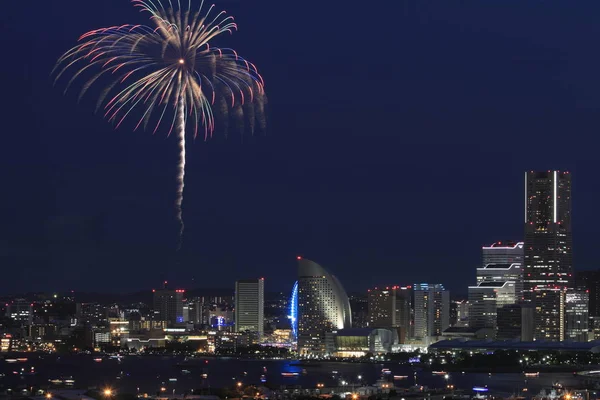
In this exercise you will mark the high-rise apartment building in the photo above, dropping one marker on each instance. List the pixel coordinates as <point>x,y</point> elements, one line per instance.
<point>168,306</point>
<point>548,269</point>
<point>431,310</point>
<point>323,307</point>
<point>250,306</point>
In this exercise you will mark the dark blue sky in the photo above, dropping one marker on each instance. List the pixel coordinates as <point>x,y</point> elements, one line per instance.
<point>398,136</point>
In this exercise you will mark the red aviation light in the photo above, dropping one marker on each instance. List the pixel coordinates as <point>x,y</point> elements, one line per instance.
<point>298,257</point>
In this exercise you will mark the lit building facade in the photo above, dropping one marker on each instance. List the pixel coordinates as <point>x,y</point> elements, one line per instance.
<point>293,312</point>
<point>20,311</point>
<point>323,307</point>
<point>462,313</point>
<point>590,281</point>
<point>576,315</point>
<point>250,306</point>
<point>515,322</point>
<point>503,262</point>
<point>431,310</point>
<point>382,307</point>
<point>503,252</point>
<point>168,306</point>
<point>548,267</point>
<point>485,299</point>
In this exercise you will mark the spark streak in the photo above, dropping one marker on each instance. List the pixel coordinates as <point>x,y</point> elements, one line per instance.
<point>147,71</point>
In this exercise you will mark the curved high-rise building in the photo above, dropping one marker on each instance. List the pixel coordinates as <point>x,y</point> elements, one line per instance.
<point>323,307</point>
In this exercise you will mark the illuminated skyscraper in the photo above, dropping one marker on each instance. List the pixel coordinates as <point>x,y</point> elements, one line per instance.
<point>432,310</point>
<point>323,307</point>
<point>168,306</point>
<point>548,249</point>
<point>390,307</point>
<point>590,281</point>
<point>485,299</point>
<point>503,262</point>
<point>576,315</point>
<point>250,305</point>
<point>382,307</point>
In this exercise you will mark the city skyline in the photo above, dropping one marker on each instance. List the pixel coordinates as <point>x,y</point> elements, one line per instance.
<point>395,174</point>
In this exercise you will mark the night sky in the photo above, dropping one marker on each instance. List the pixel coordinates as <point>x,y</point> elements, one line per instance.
<point>398,137</point>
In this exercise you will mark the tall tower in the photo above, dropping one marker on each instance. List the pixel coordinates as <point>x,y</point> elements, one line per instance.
<point>432,310</point>
<point>548,249</point>
<point>168,306</point>
<point>323,307</point>
<point>382,307</point>
<point>250,306</point>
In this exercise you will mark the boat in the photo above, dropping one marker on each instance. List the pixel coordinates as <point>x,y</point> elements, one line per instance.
<point>289,374</point>
<point>438,372</point>
<point>400,377</point>
<point>532,374</point>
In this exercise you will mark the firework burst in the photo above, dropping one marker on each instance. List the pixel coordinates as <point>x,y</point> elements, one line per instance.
<point>168,75</point>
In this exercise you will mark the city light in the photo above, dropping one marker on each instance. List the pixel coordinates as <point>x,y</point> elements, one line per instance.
<point>293,312</point>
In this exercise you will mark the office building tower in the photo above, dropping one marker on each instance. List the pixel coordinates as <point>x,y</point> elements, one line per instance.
<point>250,306</point>
<point>391,307</point>
<point>502,252</point>
<point>462,313</point>
<point>323,307</point>
<point>576,315</point>
<point>590,281</point>
<point>485,299</point>
<point>548,266</point>
<point>168,306</point>
<point>359,304</point>
<point>515,322</point>
<point>431,310</point>
<point>503,262</point>
<point>382,307</point>
<point>20,311</point>
<point>404,312</point>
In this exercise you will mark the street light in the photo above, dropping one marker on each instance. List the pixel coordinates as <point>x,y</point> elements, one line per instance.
<point>108,392</point>
<point>48,395</point>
